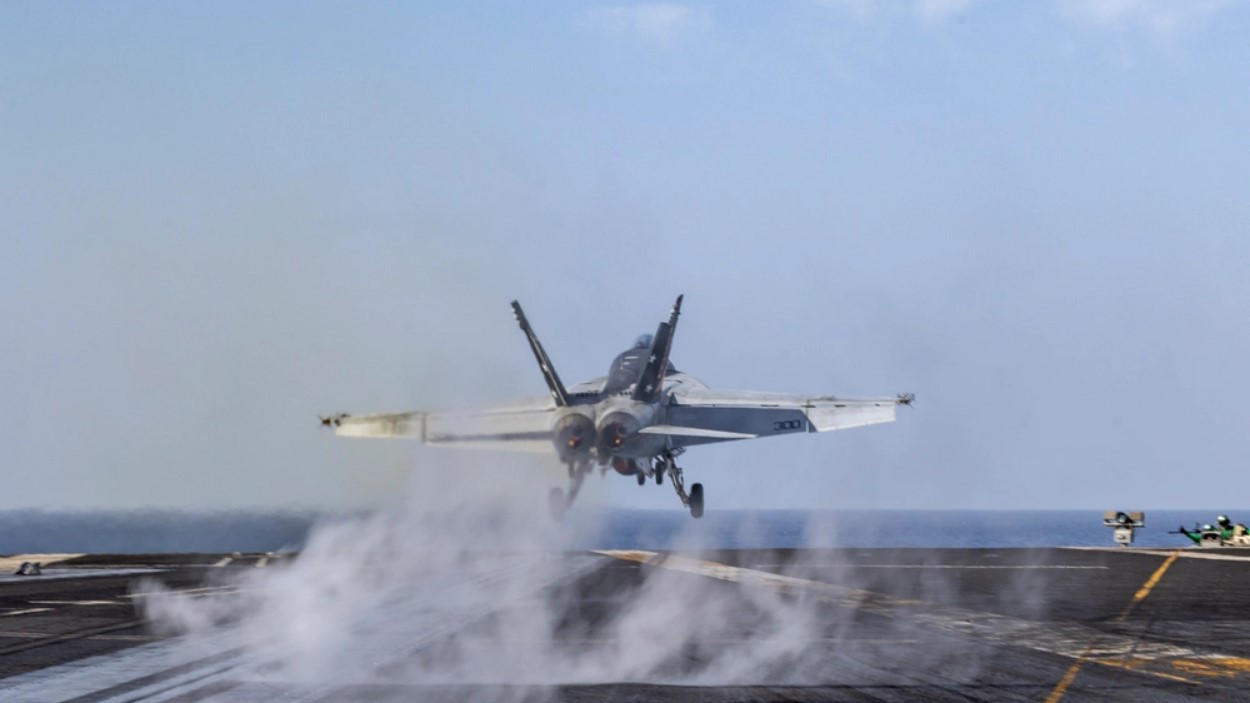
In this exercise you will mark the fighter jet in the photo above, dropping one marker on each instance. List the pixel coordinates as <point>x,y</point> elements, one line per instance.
<point>636,420</point>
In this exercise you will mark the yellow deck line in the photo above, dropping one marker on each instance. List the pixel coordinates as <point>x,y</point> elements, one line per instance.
<point>1149,585</point>
<point>1104,649</point>
<point>1057,693</point>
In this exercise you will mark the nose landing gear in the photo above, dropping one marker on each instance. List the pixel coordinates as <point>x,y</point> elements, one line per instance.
<point>657,470</point>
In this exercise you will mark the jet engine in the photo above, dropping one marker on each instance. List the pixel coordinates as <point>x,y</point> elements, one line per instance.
<point>574,437</point>
<point>618,426</point>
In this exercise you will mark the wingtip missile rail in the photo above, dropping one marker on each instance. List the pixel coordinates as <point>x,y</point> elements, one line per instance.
<point>333,420</point>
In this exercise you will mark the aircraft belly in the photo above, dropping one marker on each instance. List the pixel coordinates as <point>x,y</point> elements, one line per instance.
<point>642,446</point>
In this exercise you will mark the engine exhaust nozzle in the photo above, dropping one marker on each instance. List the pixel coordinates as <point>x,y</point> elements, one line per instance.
<point>574,437</point>
<point>615,430</point>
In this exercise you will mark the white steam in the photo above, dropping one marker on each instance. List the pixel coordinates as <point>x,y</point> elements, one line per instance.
<point>468,582</point>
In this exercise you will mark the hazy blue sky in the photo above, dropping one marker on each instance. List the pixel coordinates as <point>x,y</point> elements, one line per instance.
<point>221,219</point>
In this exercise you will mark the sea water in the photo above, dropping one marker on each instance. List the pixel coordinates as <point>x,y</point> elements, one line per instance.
<point>144,531</point>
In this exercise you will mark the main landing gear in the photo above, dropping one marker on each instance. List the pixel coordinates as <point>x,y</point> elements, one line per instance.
<point>694,499</point>
<point>558,501</point>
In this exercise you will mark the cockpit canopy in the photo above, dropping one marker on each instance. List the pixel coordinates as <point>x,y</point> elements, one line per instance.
<point>627,367</point>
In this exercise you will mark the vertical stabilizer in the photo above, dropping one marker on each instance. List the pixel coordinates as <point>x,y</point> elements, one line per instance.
<point>558,392</point>
<point>652,379</point>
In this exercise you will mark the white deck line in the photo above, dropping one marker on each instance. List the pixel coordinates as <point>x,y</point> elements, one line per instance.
<point>1185,553</point>
<point>58,574</point>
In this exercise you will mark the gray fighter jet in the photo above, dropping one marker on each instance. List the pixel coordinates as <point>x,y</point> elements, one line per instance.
<point>636,420</point>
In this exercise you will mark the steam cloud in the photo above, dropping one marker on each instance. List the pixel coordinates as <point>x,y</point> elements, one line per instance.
<point>479,587</point>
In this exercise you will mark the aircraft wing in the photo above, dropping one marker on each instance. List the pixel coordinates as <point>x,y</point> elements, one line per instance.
<point>706,416</point>
<point>524,427</point>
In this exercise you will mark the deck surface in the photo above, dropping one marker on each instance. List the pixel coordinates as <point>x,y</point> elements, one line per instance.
<point>776,625</point>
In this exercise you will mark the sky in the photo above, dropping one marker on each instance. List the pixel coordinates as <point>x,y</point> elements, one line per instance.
<point>218,221</point>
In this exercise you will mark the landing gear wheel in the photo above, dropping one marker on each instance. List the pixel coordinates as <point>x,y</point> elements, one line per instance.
<point>642,478</point>
<point>659,477</point>
<point>696,500</point>
<point>556,504</point>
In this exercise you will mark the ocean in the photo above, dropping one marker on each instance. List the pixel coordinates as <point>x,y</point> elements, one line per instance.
<point>145,531</point>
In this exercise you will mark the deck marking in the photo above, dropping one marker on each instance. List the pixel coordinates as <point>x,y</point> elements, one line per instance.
<point>1070,640</point>
<point>67,636</point>
<point>1069,676</point>
<point>201,591</point>
<point>25,611</point>
<point>1215,669</point>
<point>385,635</point>
<point>18,634</point>
<point>1149,585</point>
<point>75,602</point>
<point>56,573</point>
<point>932,566</point>
<point>1184,552</point>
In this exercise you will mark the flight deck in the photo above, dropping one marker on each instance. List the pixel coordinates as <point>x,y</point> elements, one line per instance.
<point>1077,624</point>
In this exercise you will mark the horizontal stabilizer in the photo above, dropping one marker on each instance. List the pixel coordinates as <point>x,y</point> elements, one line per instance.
<point>695,432</point>
<point>705,416</point>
